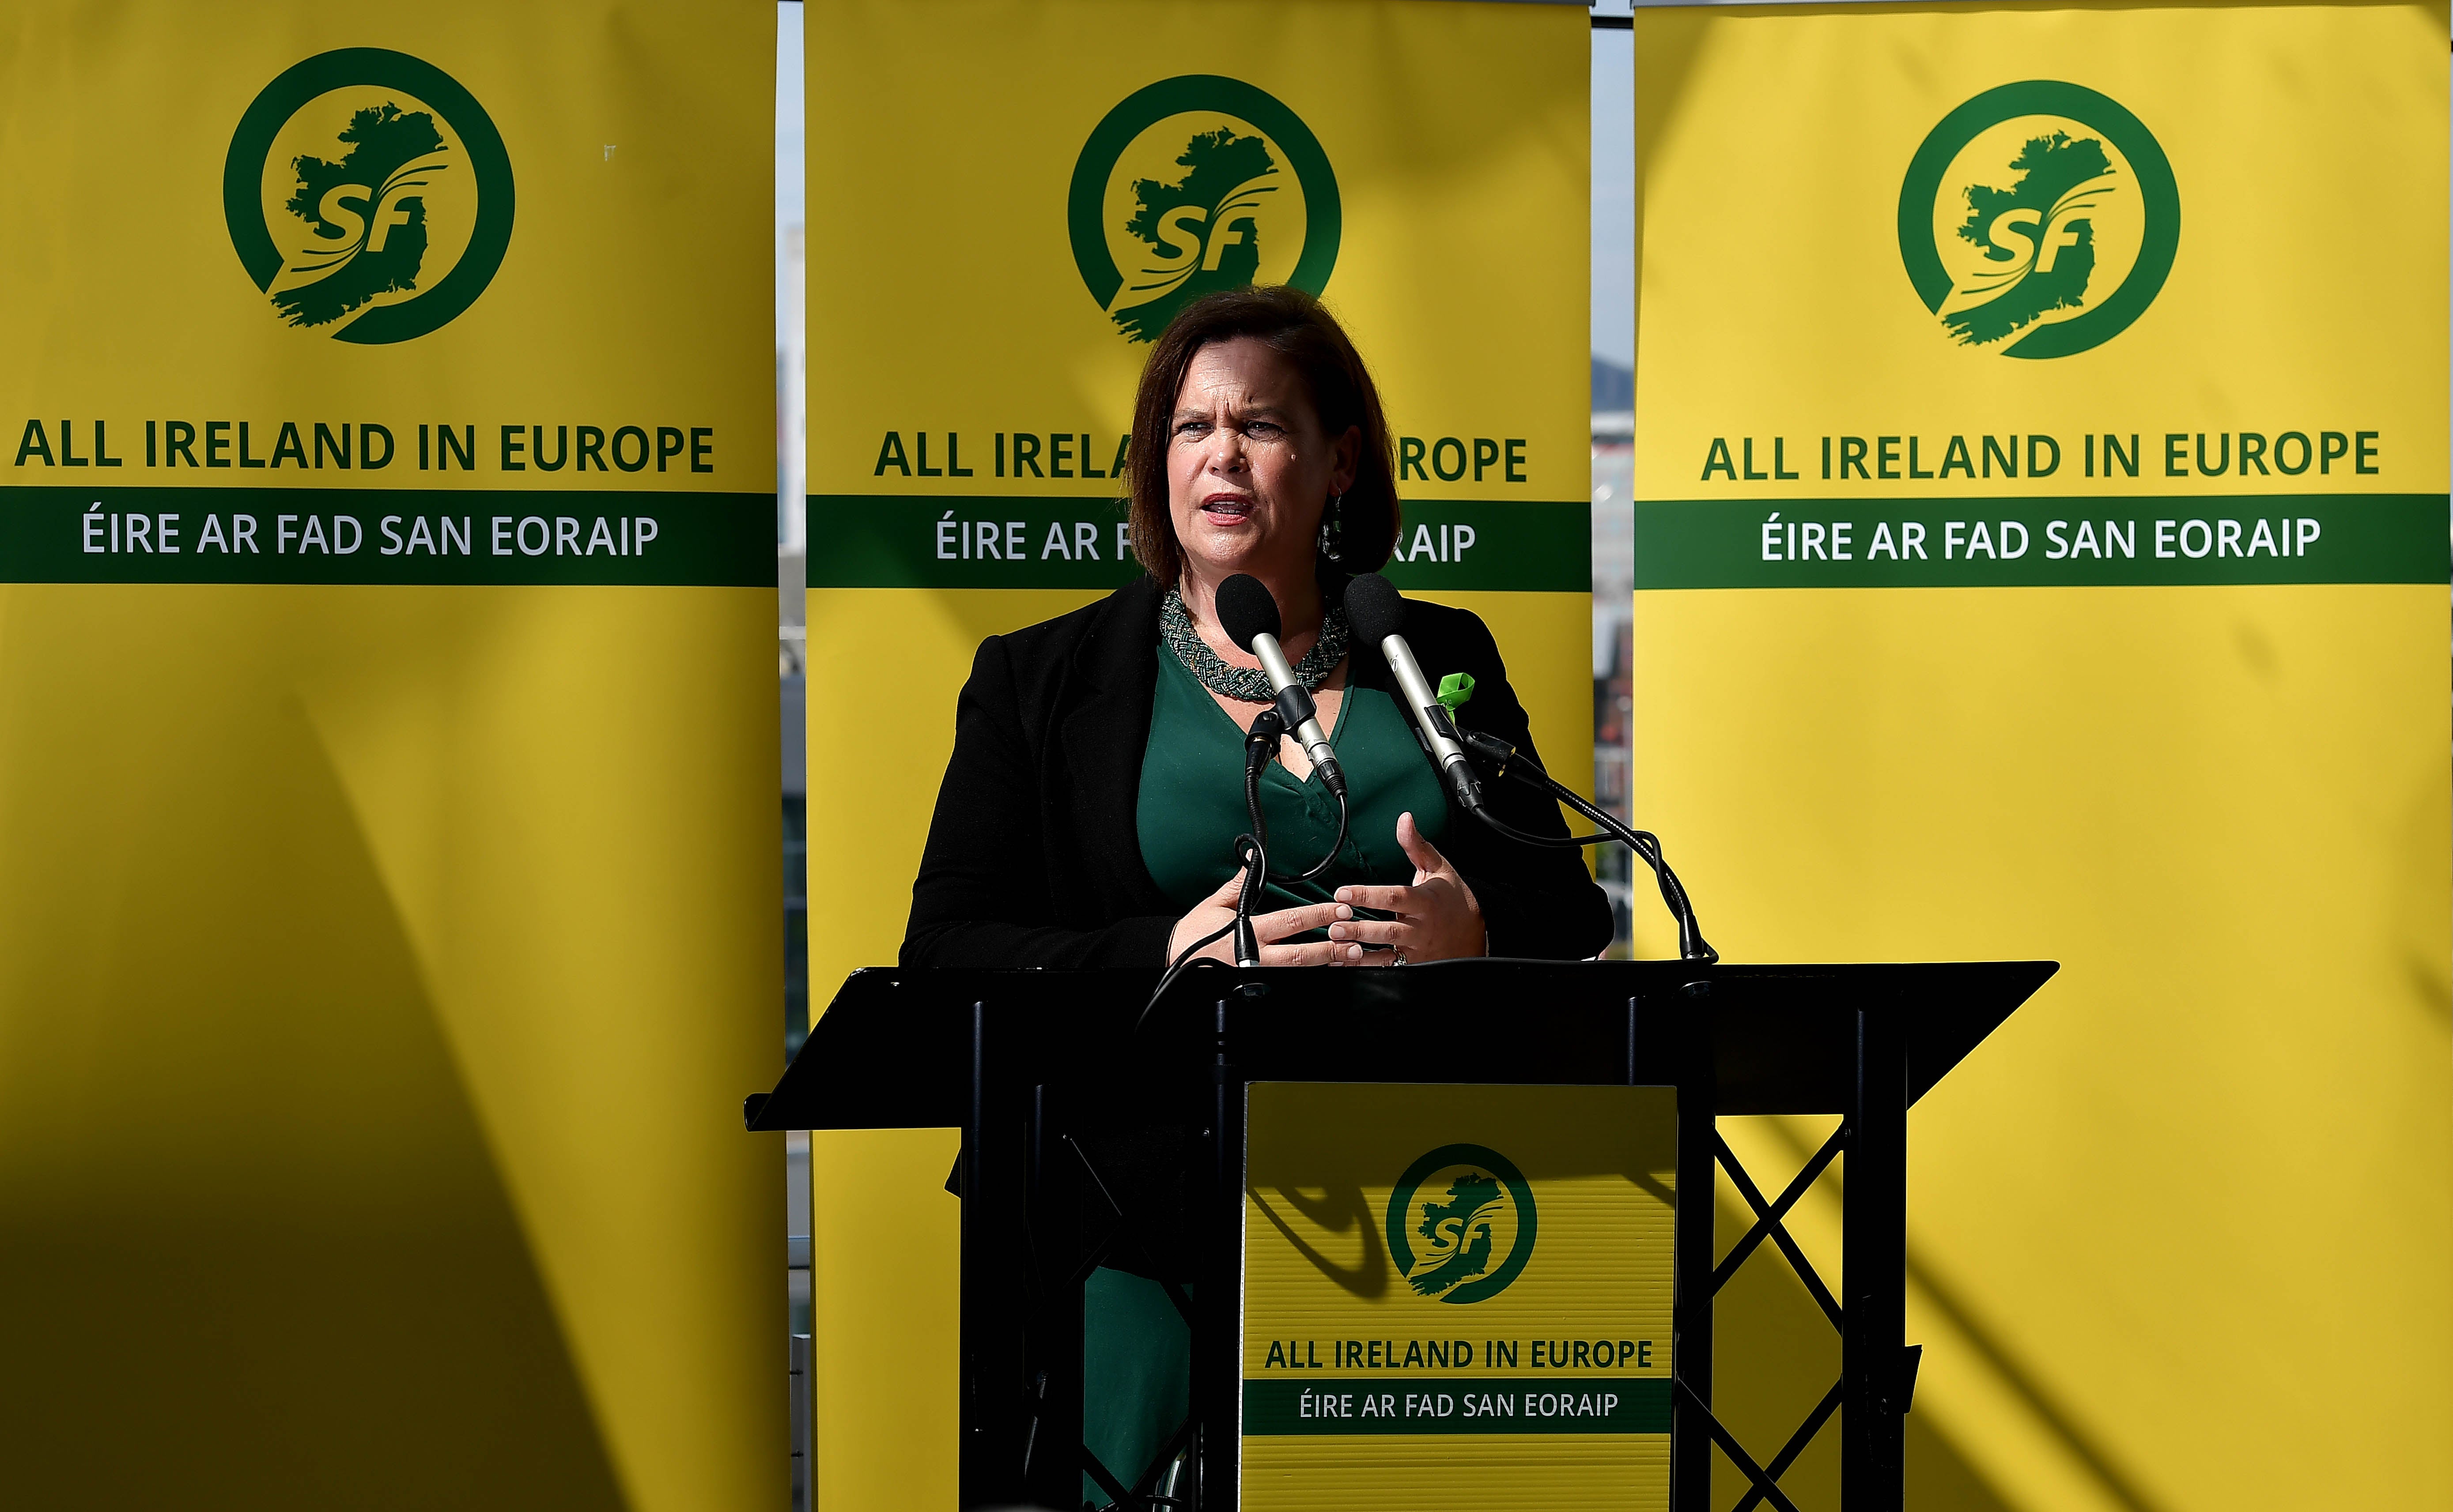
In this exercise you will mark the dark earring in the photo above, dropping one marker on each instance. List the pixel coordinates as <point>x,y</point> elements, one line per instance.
<point>1332,529</point>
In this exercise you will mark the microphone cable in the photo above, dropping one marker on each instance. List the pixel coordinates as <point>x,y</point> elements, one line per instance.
<point>1323,865</point>
<point>1377,611</point>
<point>1506,761</point>
<point>1252,854</point>
<point>1254,857</point>
<point>1190,957</point>
<point>1336,847</point>
<point>1260,748</point>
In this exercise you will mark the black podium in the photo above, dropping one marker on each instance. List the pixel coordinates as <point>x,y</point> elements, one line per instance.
<point>1027,1062</point>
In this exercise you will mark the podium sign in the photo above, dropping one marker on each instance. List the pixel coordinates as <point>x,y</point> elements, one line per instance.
<point>1457,1295</point>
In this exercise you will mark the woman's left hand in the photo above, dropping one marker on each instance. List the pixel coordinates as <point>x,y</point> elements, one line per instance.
<point>1436,919</point>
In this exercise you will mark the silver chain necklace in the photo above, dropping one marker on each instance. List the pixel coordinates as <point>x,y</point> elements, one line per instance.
<point>1247,685</point>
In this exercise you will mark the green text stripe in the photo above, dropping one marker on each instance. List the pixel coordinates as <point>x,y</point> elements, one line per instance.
<point>973,541</point>
<point>1280,1407</point>
<point>2033,543</point>
<point>403,535</point>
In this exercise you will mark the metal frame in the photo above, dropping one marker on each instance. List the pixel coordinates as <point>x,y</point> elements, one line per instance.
<point>1877,1373</point>
<point>1046,1167</point>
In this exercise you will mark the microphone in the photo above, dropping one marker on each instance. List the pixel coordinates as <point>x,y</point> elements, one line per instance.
<point>1249,613</point>
<point>1377,611</point>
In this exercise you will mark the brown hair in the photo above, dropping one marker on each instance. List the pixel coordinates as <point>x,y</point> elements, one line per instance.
<point>1293,323</point>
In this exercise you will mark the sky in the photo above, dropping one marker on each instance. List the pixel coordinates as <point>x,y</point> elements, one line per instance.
<point>1613,269</point>
<point>1614,197</point>
<point>787,113</point>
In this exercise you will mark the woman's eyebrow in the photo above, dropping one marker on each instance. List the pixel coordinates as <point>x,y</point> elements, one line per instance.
<point>1273,414</point>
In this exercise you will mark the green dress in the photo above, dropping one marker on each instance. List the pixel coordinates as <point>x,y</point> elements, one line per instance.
<point>1136,1351</point>
<point>1192,804</point>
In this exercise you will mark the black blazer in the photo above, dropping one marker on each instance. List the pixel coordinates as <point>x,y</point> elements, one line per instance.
<point>1034,855</point>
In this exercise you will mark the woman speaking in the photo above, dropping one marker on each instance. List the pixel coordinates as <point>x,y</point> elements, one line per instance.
<point>1090,811</point>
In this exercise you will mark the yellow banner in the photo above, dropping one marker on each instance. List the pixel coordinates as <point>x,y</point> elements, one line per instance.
<point>1457,1295</point>
<point>388,911</point>
<point>977,341</point>
<point>1007,203</point>
<point>2041,551</point>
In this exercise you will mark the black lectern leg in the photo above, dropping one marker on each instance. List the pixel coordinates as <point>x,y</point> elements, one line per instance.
<point>1217,1335</point>
<point>983,1313</point>
<point>1872,1355</point>
<point>1051,1470</point>
<point>995,1404</point>
<point>1690,1437</point>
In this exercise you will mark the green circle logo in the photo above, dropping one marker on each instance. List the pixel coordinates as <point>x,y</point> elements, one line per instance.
<point>1471,1211</point>
<point>2039,219</point>
<point>369,194</point>
<point>1196,184</point>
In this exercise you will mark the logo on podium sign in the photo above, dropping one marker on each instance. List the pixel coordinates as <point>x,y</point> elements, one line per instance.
<point>1460,1223</point>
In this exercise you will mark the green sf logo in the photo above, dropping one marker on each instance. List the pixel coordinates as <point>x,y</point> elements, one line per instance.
<point>369,194</point>
<point>1460,1223</point>
<point>1195,184</point>
<point>2039,219</point>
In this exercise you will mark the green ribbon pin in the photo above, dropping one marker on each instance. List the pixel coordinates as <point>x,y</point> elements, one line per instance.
<point>1456,689</point>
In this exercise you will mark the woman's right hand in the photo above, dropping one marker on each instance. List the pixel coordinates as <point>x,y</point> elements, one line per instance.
<point>1218,911</point>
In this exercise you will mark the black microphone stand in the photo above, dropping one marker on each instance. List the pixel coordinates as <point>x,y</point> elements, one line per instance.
<point>1252,850</point>
<point>1252,854</point>
<point>1502,760</point>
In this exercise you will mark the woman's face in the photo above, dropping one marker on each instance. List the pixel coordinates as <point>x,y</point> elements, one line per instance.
<point>1248,469</point>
